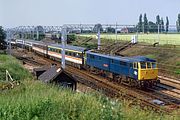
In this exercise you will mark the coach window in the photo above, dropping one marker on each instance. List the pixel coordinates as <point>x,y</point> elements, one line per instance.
<point>74,54</point>
<point>99,58</point>
<point>78,55</point>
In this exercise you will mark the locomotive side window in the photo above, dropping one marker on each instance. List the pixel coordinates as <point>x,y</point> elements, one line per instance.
<point>112,61</point>
<point>122,63</point>
<point>131,65</point>
<point>92,56</point>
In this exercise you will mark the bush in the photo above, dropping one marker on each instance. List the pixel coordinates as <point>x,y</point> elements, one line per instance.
<point>71,38</point>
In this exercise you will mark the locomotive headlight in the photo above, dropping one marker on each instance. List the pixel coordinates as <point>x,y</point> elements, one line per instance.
<point>135,72</point>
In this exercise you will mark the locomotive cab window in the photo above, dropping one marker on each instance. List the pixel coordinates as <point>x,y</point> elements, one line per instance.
<point>154,65</point>
<point>148,65</point>
<point>143,65</point>
<point>135,65</point>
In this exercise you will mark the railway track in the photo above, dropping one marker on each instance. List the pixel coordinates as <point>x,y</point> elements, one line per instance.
<point>143,98</point>
<point>169,81</point>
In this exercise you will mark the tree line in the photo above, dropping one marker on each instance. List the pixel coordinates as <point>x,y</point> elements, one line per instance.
<point>150,26</point>
<point>146,26</point>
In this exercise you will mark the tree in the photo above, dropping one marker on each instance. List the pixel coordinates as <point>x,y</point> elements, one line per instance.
<point>110,30</point>
<point>140,24</point>
<point>158,22</point>
<point>95,29</point>
<point>167,24</point>
<point>162,25</point>
<point>178,23</point>
<point>145,25</point>
<point>40,32</point>
<point>152,27</point>
<point>2,39</point>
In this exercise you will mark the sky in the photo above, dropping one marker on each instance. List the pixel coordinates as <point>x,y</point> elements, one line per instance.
<point>15,13</point>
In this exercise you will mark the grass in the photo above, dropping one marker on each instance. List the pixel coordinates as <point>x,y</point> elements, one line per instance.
<point>14,67</point>
<point>34,100</point>
<point>37,101</point>
<point>148,38</point>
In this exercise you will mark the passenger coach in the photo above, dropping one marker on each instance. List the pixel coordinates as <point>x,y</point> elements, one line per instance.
<point>73,55</point>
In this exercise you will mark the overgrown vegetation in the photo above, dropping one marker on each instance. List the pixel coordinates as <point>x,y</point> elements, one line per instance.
<point>14,67</point>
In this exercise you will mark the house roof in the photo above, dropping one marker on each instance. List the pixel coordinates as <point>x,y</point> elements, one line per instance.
<point>52,73</point>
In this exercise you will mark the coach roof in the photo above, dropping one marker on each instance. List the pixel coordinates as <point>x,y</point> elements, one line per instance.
<point>68,47</point>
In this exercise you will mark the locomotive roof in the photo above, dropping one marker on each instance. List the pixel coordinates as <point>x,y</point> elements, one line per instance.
<point>69,47</point>
<point>125,59</point>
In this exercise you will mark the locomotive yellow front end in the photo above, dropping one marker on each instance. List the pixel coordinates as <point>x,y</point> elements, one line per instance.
<point>147,71</point>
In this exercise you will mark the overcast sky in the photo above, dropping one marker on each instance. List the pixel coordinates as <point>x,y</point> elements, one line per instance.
<point>57,12</point>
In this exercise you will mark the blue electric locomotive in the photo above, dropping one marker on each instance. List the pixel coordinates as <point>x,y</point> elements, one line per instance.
<point>137,68</point>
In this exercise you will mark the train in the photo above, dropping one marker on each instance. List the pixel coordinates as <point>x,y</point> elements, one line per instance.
<point>134,71</point>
